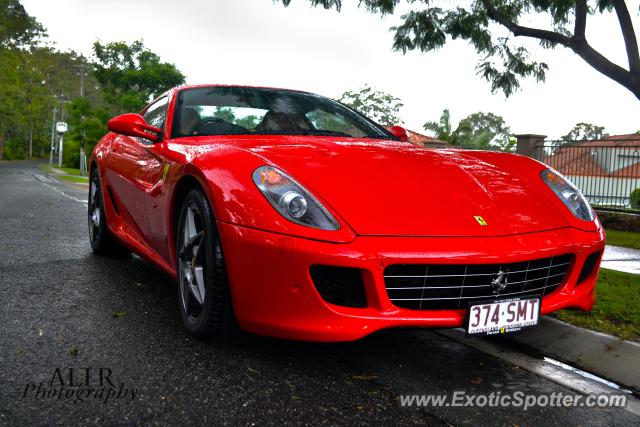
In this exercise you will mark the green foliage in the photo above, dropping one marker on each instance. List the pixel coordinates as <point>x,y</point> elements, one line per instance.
<point>585,132</point>
<point>626,239</point>
<point>87,124</point>
<point>635,199</point>
<point>35,78</point>
<point>17,28</point>
<point>377,105</point>
<point>71,153</point>
<point>225,114</point>
<point>503,61</point>
<point>248,122</point>
<point>131,75</point>
<point>478,130</point>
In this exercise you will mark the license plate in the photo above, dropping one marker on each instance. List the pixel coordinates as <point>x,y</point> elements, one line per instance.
<point>502,316</point>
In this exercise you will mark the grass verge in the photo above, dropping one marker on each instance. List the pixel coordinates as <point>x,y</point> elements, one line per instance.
<point>73,178</point>
<point>628,239</point>
<point>617,308</point>
<point>46,168</point>
<point>64,174</point>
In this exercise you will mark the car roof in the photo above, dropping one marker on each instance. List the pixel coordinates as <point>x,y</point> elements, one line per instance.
<point>183,87</point>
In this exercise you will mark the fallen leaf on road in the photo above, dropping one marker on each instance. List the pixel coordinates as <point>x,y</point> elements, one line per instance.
<point>119,314</point>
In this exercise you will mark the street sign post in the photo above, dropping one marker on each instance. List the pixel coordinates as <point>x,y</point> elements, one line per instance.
<point>61,128</point>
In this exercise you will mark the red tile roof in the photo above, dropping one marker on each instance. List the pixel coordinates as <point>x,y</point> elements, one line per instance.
<point>427,141</point>
<point>581,158</point>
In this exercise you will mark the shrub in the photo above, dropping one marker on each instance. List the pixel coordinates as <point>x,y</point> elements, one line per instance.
<point>13,149</point>
<point>71,153</point>
<point>635,199</point>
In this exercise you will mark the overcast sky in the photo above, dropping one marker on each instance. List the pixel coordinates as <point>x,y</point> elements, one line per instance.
<point>257,42</point>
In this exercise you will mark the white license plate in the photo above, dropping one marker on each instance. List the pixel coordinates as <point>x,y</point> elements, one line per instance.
<point>500,317</point>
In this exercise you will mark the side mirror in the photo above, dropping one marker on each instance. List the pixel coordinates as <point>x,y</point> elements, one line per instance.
<point>133,125</point>
<point>399,132</point>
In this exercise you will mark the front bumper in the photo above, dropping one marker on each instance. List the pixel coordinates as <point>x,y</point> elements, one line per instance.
<point>273,293</point>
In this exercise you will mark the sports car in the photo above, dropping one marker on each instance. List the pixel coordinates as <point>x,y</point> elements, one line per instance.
<point>288,214</point>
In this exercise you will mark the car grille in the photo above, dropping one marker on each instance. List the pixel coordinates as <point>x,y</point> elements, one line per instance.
<point>453,286</point>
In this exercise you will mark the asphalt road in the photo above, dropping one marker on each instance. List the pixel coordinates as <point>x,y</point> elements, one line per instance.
<point>62,307</point>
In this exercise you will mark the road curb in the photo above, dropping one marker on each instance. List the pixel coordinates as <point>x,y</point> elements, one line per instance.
<point>611,358</point>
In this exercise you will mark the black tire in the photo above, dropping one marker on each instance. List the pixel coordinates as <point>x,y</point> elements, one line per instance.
<point>200,267</point>
<point>102,243</point>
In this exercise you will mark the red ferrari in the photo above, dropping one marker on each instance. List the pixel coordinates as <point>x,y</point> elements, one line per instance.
<point>288,214</point>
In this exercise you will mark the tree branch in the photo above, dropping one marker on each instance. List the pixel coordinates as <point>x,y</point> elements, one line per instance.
<point>519,30</point>
<point>581,19</point>
<point>579,44</point>
<point>604,66</point>
<point>629,35</point>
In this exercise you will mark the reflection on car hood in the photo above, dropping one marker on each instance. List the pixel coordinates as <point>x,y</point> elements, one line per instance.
<point>392,188</point>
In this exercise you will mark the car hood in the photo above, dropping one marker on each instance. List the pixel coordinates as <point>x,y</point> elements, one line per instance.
<point>391,188</point>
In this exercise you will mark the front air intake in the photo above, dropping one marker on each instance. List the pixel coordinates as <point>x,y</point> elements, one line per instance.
<point>339,285</point>
<point>589,265</point>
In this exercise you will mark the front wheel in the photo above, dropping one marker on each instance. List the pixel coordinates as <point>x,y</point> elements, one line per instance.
<point>101,241</point>
<point>203,291</point>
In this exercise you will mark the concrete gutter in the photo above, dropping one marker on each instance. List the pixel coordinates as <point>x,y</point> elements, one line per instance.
<point>606,356</point>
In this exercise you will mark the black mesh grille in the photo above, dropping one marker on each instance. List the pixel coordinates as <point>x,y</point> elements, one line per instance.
<point>589,264</point>
<point>339,285</point>
<point>452,286</point>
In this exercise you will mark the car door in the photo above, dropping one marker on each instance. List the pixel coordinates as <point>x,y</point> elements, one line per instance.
<point>133,170</point>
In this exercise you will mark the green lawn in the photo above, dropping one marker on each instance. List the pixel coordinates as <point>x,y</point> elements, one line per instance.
<point>64,174</point>
<point>46,168</point>
<point>628,239</point>
<point>56,169</point>
<point>617,308</point>
<point>73,178</point>
<point>70,171</point>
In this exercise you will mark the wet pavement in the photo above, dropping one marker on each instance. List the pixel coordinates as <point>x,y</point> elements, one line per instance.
<point>621,259</point>
<point>67,315</point>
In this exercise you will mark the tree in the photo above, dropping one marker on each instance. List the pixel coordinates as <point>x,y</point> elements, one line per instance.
<point>87,124</point>
<point>478,130</point>
<point>17,28</point>
<point>131,75</point>
<point>585,131</point>
<point>377,105</point>
<point>503,60</point>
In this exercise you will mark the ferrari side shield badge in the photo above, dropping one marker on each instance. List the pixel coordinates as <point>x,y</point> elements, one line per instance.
<point>481,220</point>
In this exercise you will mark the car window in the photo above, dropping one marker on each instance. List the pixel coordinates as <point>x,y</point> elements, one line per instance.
<point>324,120</point>
<point>232,110</point>
<point>246,117</point>
<point>156,113</point>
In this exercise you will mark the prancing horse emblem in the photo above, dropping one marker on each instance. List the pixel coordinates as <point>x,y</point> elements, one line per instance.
<point>499,283</point>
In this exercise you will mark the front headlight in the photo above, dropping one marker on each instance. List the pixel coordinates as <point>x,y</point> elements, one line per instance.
<point>291,200</point>
<point>569,194</point>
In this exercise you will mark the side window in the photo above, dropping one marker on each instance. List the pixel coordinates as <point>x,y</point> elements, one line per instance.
<point>323,120</point>
<point>156,113</point>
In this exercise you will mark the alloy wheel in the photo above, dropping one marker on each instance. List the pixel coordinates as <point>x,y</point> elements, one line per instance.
<point>191,261</point>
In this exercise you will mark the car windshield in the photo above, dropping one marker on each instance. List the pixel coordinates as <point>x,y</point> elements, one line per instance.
<point>223,110</point>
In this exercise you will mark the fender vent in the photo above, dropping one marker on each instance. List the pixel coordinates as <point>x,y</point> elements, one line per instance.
<point>113,200</point>
<point>339,285</point>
